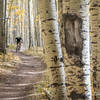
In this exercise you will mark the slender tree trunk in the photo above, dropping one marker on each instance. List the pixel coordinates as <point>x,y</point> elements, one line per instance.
<point>29,17</point>
<point>49,27</point>
<point>6,27</point>
<point>36,24</point>
<point>2,26</point>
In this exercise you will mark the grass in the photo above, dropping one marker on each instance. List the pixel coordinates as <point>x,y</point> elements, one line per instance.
<point>7,63</point>
<point>8,57</point>
<point>12,46</point>
<point>35,51</point>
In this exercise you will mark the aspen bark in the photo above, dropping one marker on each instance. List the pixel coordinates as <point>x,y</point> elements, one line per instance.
<point>75,44</point>
<point>49,27</point>
<point>98,56</point>
<point>84,13</point>
<point>30,20</point>
<point>95,48</point>
<point>2,26</point>
<point>6,26</point>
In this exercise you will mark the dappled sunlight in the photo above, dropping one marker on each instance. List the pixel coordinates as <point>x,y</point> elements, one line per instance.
<point>49,50</point>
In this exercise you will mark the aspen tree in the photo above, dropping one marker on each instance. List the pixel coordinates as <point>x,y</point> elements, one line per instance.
<point>95,46</point>
<point>49,27</point>
<point>30,20</point>
<point>98,56</point>
<point>2,26</point>
<point>75,45</point>
<point>84,14</point>
<point>6,26</point>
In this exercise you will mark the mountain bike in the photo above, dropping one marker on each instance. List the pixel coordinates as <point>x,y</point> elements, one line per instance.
<point>18,47</point>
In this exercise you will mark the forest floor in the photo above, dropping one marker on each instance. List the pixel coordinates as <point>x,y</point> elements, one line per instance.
<point>19,83</point>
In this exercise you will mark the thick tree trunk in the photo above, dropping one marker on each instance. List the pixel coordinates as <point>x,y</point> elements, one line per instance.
<point>49,27</point>
<point>2,26</point>
<point>84,13</point>
<point>95,48</point>
<point>73,48</point>
<point>98,56</point>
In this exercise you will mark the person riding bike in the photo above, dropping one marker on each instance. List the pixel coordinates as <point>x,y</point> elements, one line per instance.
<point>18,41</point>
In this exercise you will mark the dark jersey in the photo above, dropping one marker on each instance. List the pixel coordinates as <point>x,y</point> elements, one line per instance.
<point>18,39</point>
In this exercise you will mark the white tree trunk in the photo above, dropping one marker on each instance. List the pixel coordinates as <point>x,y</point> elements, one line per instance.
<point>84,13</point>
<point>30,22</point>
<point>49,27</point>
<point>75,71</point>
<point>6,26</point>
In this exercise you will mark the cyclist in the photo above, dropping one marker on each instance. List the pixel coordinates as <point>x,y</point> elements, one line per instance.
<point>18,41</point>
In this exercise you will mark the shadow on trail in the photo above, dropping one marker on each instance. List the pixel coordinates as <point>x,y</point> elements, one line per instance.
<point>17,85</point>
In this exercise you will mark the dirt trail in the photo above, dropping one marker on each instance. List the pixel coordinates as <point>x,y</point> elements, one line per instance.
<point>17,85</point>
